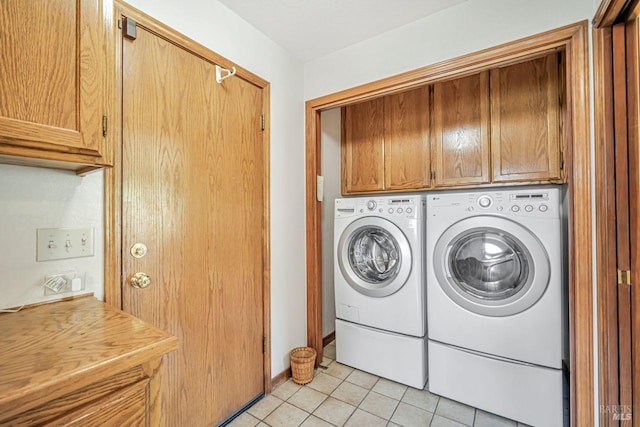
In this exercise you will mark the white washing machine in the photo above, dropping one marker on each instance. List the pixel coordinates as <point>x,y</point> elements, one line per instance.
<point>496,301</point>
<point>380,295</point>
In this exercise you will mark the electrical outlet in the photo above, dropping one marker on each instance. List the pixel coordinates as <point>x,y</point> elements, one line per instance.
<point>64,243</point>
<point>72,283</point>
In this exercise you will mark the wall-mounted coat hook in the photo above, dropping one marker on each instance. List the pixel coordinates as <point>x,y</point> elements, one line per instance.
<point>223,73</point>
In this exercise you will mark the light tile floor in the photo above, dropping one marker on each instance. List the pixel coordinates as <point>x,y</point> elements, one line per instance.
<point>342,396</point>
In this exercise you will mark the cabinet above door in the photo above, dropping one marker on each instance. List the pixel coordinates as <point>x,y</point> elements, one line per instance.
<point>52,82</point>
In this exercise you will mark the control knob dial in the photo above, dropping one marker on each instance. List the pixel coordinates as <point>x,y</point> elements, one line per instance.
<point>484,201</point>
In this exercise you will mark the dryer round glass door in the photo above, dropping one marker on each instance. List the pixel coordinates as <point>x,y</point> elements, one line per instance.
<point>491,266</point>
<point>374,256</point>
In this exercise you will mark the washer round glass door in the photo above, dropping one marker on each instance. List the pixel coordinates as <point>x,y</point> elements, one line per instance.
<point>374,256</point>
<point>491,266</point>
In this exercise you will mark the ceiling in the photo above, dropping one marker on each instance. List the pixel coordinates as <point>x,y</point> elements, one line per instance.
<point>310,29</point>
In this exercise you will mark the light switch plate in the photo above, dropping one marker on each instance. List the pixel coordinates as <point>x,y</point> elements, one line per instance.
<point>319,188</point>
<point>64,243</point>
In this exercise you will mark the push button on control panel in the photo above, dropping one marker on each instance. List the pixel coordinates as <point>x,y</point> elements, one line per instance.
<point>390,210</point>
<point>515,208</point>
<point>371,205</point>
<point>409,210</point>
<point>528,208</point>
<point>543,208</point>
<point>399,210</point>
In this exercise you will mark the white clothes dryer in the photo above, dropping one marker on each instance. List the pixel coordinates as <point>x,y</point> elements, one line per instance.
<point>496,303</point>
<point>379,286</point>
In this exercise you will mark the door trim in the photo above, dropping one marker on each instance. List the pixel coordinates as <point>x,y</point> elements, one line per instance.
<point>113,177</point>
<point>574,39</point>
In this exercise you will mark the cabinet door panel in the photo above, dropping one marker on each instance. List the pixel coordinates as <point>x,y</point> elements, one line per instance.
<point>461,131</point>
<point>51,75</point>
<point>362,147</point>
<point>406,145</point>
<point>525,133</point>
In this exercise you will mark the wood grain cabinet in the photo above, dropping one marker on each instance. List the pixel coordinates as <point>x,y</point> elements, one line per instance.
<point>363,147</point>
<point>52,82</point>
<point>406,140</point>
<point>525,121</point>
<point>460,144</point>
<point>80,363</point>
<point>500,125</point>
<point>385,143</point>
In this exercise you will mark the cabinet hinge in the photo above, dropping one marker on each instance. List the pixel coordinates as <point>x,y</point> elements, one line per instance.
<point>624,277</point>
<point>120,23</point>
<point>561,160</point>
<point>433,175</point>
<point>262,121</point>
<point>104,126</point>
<point>129,30</point>
<point>264,343</point>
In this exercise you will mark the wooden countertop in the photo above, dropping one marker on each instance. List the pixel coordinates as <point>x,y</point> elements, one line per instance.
<point>49,350</point>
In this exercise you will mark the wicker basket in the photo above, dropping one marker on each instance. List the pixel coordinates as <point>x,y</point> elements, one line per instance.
<point>303,361</point>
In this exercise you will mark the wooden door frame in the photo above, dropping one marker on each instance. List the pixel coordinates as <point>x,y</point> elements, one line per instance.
<point>609,13</point>
<point>574,39</point>
<point>113,177</point>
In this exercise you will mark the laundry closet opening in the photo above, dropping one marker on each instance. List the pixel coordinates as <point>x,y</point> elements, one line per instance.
<point>489,78</point>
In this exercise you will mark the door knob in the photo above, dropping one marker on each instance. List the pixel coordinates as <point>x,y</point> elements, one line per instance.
<point>140,280</point>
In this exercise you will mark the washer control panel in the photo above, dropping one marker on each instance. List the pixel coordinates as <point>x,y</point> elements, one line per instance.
<point>539,202</point>
<point>403,206</point>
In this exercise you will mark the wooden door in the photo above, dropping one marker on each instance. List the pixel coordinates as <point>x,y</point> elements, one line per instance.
<point>632,310</point>
<point>192,174</point>
<point>617,52</point>
<point>51,77</point>
<point>525,121</point>
<point>461,131</point>
<point>363,147</point>
<point>406,140</point>
<point>622,149</point>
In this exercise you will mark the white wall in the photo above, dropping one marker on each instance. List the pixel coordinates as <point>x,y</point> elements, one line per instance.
<point>32,198</point>
<point>464,28</point>
<point>215,26</point>
<point>330,145</point>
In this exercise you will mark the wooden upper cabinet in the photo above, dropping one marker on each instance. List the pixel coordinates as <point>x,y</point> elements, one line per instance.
<point>406,144</point>
<point>363,147</point>
<point>52,79</point>
<point>496,126</point>
<point>461,131</point>
<point>525,121</point>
